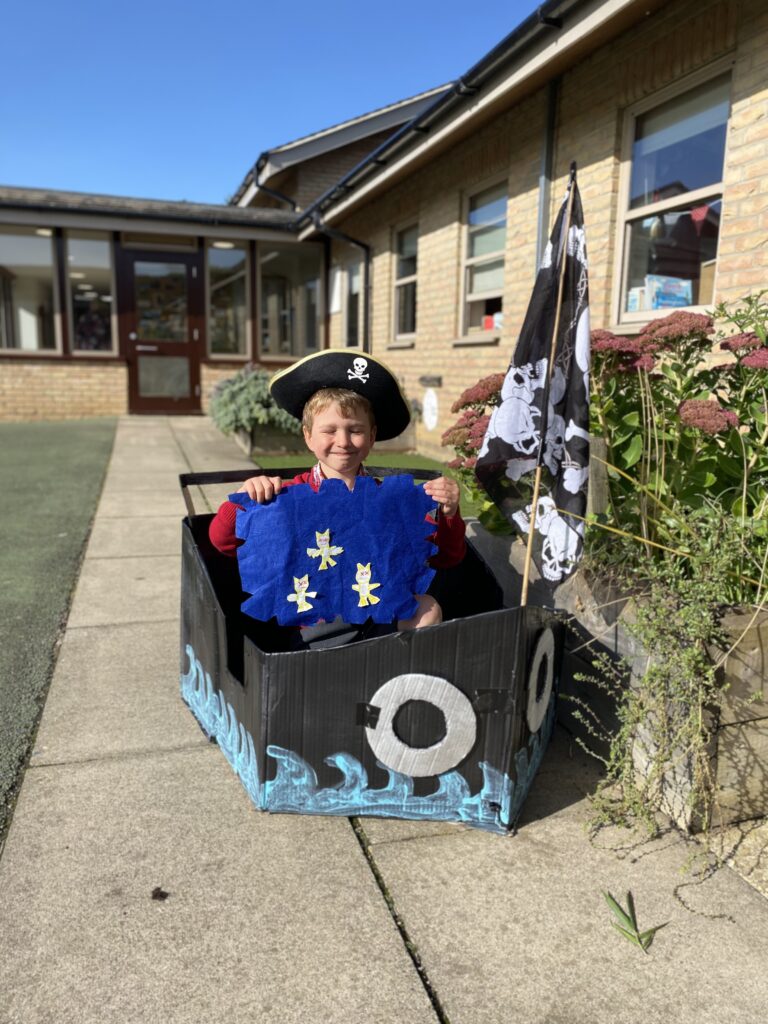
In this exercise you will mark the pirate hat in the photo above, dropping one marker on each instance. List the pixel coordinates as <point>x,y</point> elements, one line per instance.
<point>336,368</point>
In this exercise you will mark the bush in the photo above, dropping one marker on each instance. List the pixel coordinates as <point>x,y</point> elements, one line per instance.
<point>243,402</point>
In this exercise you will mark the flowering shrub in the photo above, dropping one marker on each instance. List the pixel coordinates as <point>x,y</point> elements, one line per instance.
<point>686,438</point>
<point>466,436</point>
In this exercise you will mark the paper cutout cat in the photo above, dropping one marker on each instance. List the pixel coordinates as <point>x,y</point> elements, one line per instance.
<point>364,586</point>
<point>324,549</point>
<point>301,593</point>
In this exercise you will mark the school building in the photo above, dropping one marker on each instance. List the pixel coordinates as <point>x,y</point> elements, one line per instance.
<point>413,232</point>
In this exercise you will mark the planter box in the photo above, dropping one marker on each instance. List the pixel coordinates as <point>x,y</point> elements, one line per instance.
<point>265,440</point>
<point>599,616</point>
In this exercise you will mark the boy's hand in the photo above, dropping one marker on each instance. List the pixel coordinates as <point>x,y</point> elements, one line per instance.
<point>445,492</point>
<point>262,488</point>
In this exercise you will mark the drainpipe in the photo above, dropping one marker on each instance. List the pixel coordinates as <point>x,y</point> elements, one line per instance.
<point>258,167</point>
<point>545,174</point>
<point>340,236</point>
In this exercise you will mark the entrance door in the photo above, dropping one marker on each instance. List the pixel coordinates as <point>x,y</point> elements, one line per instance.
<point>163,330</point>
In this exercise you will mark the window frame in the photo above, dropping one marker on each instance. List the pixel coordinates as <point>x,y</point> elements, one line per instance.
<point>58,311</point>
<point>359,262</point>
<point>625,216</point>
<point>468,262</point>
<point>81,353</point>
<point>403,339</point>
<point>229,357</point>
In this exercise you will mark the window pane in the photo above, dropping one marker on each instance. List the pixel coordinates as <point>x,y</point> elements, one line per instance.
<point>290,284</point>
<point>406,308</point>
<point>485,240</point>
<point>486,277</point>
<point>161,300</point>
<point>488,207</point>
<point>354,279</point>
<point>26,290</point>
<point>89,274</point>
<point>672,258</point>
<point>227,297</point>
<point>407,245</point>
<point>485,315</point>
<point>679,146</point>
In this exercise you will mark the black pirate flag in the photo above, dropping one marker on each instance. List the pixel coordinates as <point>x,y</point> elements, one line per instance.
<point>543,418</point>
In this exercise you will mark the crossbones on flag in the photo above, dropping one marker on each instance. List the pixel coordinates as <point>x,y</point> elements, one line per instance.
<point>533,404</point>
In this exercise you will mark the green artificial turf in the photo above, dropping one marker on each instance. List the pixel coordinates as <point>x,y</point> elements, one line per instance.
<point>50,480</point>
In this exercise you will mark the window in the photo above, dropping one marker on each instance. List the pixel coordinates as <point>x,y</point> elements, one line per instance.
<point>289,288</point>
<point>352,305</point>
<point>484,260</point>
<point>673,200</point>
<point>90,291</point>
<point>227,299</point>
<point>27,290</point>
<point>406,245</point>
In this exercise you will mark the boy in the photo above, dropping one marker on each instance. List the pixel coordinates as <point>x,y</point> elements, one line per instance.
<point>344,404</point>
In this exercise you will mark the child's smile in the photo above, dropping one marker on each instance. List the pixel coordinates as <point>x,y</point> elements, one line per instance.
<point>340,443</point>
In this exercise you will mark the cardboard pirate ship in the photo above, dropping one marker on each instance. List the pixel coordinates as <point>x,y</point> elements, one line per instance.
<point>444,723</point>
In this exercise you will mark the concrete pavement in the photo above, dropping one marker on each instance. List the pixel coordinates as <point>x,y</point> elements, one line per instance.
<point>138,883</point>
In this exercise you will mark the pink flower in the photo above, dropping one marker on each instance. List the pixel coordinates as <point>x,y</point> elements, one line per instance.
<point>644,362</point>
<point>740,341</point>
<point>484,392</point>
<point>757,360</point>
<point>477,432</point>
<point>678,325</point>
<point>471,462</point>
<point>707,415</point>
<point>455,464</point>
<point>455,436</point>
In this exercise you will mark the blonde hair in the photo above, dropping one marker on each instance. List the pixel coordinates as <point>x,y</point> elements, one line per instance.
<point>348,401</point>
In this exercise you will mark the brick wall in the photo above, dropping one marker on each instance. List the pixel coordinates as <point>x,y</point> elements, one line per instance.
<point>660,50</point>
<point>210,375</point>
<point>38,390</point>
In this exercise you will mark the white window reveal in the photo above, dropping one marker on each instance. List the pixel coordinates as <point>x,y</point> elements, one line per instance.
<point>486,230</point>
<point>406,245</point>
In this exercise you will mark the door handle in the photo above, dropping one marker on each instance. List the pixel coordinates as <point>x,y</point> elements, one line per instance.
<point>146,348</point>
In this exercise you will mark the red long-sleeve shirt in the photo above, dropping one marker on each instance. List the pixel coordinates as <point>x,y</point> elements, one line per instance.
<point>449,535</point>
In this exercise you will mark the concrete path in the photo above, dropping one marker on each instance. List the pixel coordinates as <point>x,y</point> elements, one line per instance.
<point>138,884</point>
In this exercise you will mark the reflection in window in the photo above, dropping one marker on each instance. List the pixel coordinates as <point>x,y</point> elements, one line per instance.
<point>484,260</point>
<point>290,284</point>
<point>227,296</point>
<point>161,300</point>
<point>406,244</point>
<point>89,280</point>
<point>26,290</point>
<point>673,222</point>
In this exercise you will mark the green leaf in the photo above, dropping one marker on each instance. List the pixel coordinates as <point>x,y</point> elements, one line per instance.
<point>634,452</point>
<point>632,419</point>
<point>630,936</point>
<point>647,937</point>
<point>619,911</point>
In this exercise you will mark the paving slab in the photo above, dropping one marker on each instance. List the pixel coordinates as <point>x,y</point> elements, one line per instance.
<point>168,502</point>
<point>120,481</point>
<point>515,929</point>
<point>114,590</point>
<point>274,919</point>
<point>115,691</point>
<point>119,537</point>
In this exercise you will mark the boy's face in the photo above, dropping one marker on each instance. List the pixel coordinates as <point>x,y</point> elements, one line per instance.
<point>340,443</point>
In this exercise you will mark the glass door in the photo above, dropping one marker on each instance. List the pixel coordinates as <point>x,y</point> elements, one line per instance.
<point>163,326</point>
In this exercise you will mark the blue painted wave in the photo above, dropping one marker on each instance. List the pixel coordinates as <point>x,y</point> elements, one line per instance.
<point>295,787</point>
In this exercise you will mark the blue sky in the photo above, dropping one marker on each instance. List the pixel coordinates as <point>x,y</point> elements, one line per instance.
<point>175,99</point>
